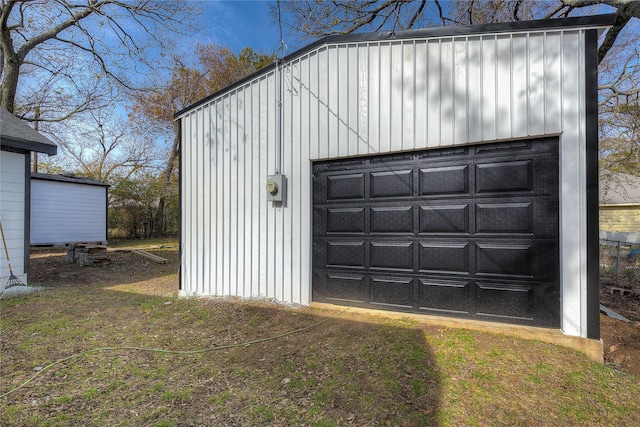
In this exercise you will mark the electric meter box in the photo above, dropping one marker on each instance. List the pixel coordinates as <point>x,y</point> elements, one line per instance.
<point>276,188</point>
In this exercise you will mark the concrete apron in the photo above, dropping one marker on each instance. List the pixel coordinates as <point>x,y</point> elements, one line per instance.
<point>592,348</point>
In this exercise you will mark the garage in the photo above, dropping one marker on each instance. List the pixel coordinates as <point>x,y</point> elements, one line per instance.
<point>470,232</point>
<point>449,172</point>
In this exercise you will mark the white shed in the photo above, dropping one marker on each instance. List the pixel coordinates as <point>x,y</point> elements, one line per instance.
<point>17,141</point>
<point>447,171</point>
<point>67,209</point>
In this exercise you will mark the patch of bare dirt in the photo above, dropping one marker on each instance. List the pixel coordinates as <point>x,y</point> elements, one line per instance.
<point>621,339</point>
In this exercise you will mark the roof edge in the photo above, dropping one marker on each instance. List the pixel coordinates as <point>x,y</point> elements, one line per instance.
<point>68,179</point>
<point>593,21</point>
<point>23,144</point>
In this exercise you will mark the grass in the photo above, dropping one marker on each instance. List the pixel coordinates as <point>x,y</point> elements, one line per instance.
<point>350,370</point>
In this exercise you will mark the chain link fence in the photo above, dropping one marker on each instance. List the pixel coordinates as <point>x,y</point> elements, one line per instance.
<point>620,262</point>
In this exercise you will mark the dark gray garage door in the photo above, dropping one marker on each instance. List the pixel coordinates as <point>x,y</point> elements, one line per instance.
<point>468,232</point>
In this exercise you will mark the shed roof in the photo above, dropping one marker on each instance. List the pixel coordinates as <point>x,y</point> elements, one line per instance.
<point>68,178</point>
<point>17,134</point>
<point>619,189</point>
<point>593,21</point>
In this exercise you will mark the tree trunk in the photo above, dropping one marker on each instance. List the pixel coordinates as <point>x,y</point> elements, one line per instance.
<point>158,229</point>
<point>10,85</point>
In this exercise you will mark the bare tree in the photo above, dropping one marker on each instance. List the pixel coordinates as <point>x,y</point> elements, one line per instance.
<point>57,53</point>
<point>102,145</point>
<point>217,67</point>
<point>316,18</point>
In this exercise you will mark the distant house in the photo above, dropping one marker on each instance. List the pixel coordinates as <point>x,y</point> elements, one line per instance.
<point>620,207</point>
<point>67,209</point>
<point>17,141</point>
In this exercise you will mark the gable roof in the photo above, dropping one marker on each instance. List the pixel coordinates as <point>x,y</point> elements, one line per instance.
<point>17,134</point>
<point>619,189</point>
<point>582,22</point>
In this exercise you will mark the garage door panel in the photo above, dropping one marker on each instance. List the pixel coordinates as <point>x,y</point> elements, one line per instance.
<point>392,220</point>
<point>346,254</point>
<point>392,184</point>
<point>447,180</point>
<point>346,287</point>
<point>506,176</point>
<point>444,219</point>
<point>504,148</point>
<point>504,217</point>
<point>346,220</point>
<point>392,255</point>
<point>395,292</point>
<point>504,259</point>
<point>508,300</point>
<point>443,256</point>
<point>535,260</point>
<point>350,186</point>
<point>524,216</point>
<point>444,296</point>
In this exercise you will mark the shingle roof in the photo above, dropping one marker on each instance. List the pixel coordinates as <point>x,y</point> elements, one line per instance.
<point>619,189</point>
<point>17,134</point>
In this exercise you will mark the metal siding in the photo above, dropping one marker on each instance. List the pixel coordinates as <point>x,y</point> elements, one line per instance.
<point>536,87</point>
<point>503,76</point>
<point>519,86</point>
<point>447,93</point>
<point>199,220</point>
<point>489,96</point>
<point>367,98</point>
<point>352,89</point>
<point>396,95</point>
<point>433,93</point>
<point>373,102</point>
<point>408,96</point>
<point>421,108</point>
<point>63,212</point>
<point>474,89</point>
<point>460,91</point>
<point>342,113</point>
<point>362,107</point>
<point>247,158</point>
<point>553,82</point>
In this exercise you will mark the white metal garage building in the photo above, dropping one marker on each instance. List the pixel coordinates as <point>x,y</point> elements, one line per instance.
<point>448,171</point>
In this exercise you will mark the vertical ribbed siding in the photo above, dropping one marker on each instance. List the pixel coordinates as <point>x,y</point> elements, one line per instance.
<point>363,99</point>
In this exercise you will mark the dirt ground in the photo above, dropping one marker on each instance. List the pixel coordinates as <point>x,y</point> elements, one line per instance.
<point>621,339</point>
<point>48,268</point>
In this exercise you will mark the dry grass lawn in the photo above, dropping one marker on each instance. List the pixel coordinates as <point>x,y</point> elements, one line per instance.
<point>267,364</point>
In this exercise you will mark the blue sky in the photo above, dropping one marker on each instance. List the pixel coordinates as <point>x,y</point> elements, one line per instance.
<point>237,24</point>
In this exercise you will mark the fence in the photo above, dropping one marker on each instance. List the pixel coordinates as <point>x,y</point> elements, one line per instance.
<point>620,261</point>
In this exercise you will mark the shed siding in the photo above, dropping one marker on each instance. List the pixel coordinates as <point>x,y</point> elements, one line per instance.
<point>367,98</point>
<point>12,200</point>
<point>63,212</point>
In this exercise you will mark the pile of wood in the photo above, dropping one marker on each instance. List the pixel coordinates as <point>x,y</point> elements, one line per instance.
<point>87,254</point>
